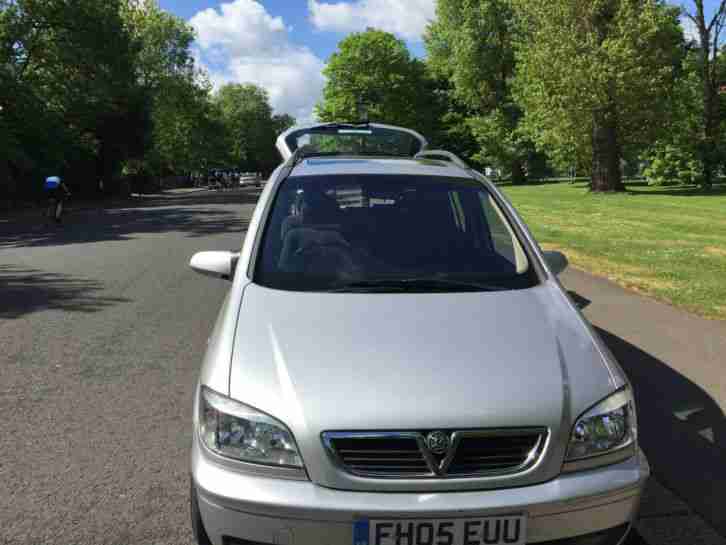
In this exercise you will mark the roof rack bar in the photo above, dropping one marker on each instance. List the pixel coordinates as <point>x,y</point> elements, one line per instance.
<point>452,157</point>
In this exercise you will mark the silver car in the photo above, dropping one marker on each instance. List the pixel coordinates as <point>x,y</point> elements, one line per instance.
<point>396,363</point>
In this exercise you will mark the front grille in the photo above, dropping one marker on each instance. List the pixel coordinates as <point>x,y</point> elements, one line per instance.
<point>406,454</point>
<point>380,454</point>
<point>477,454</point>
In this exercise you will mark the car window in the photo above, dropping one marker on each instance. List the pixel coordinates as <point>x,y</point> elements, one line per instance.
<point>337,139</point>
<point>457,210</point>
<point>503,239</point>
<point>328,232</point>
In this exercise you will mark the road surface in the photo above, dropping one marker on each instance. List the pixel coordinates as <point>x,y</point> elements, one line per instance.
<point>102,329</point>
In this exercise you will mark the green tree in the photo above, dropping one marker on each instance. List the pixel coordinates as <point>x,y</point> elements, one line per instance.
<point>188,134</point>
<point>722,106</point>
<point>69,89</point>
<point>674,157</point>
<point>669,164</point>
<point>448,121</point>
<point>185,131</point>
<point>709,71</point>
<point>163,44</point>
<point>470,43</point>
<point>87,87</point>
<point>282,122</point>
<point>373,73</point>
<point>250,125</point>
<point>593,78</point>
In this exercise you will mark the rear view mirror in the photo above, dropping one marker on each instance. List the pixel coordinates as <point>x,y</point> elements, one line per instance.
<point>216,264</point>
<point>557,261</point>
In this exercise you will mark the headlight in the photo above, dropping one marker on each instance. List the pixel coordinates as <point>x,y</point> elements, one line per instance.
<point>232,429</point>
<point>609,428</point>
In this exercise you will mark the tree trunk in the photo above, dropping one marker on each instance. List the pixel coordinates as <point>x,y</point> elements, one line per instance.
<point>710,125</point>
<point>519,176</point>
<point>606,173</point>
<point>711,100</point>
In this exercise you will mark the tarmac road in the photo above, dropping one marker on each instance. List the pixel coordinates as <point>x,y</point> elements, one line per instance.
<point>102,330</point>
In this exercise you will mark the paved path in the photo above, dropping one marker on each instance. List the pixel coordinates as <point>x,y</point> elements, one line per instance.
<point>102,327</point>
<point>677,364</point>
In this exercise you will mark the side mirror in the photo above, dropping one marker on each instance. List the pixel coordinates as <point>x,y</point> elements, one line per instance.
<point>557,261</point>
<point>216,264</point>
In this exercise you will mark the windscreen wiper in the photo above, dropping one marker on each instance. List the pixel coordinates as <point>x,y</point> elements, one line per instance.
<point>415,284</point>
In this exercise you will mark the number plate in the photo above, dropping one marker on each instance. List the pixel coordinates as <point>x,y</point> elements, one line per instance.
<point>509,530</point>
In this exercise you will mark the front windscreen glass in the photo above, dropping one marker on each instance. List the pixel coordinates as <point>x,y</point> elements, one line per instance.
<point>355,140</point>
<point>389,233</point>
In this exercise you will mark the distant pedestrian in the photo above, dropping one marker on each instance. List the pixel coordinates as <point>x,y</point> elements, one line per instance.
<point>56,192</point>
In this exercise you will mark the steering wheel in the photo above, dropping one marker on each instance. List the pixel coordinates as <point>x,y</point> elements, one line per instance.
<point>337,250</point>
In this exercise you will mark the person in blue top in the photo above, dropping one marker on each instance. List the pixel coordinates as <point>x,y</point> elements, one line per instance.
<point>57,192</point>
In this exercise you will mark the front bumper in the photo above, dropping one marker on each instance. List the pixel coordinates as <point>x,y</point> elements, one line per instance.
<point>289,512</point>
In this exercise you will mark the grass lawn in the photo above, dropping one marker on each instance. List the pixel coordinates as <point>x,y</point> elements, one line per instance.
<point>668,242</point>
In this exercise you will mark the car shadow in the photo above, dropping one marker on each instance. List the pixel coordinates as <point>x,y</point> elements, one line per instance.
<point>24,291</point>
<point>187,214</point>
<point>682,430</point>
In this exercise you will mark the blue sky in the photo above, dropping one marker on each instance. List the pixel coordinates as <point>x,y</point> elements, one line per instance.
<point>294,12</point>
<point>282,45</point>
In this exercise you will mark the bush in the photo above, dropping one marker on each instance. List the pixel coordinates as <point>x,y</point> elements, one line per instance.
<point>669,164</point>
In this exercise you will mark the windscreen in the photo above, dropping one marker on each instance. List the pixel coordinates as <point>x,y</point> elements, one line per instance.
<point>386,231</point>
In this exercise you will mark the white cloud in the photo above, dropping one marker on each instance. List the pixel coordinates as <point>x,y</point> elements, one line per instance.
<point>690,30</point>
<point>407,18</point>
<point>241,43</point>
<point>293,80</point>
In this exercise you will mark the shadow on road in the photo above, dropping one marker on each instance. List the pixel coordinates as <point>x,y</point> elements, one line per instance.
<point>682,430</point>
<point>24,291</point>
<point>185,214</point>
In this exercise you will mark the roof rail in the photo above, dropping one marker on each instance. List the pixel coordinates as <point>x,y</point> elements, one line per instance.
<point>451,157</point>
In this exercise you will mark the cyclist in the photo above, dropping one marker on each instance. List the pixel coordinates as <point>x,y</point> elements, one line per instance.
<point>57,192</point>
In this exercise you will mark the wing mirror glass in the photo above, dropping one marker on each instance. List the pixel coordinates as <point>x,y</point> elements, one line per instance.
<point>557,261</point>
<point>216,264</point>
